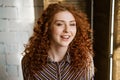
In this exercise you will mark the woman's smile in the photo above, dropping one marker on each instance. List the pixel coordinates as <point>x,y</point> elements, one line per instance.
<point>65,37</point>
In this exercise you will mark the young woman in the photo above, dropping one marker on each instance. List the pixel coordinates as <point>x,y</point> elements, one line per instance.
<point>60,47</point>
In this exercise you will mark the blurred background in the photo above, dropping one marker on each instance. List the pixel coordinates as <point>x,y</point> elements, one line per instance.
<point>17,18</point>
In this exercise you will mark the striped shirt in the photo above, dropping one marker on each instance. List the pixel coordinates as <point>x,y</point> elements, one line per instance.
<point>57,71</point>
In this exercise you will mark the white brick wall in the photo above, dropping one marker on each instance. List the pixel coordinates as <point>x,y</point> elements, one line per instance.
<point>3,25</point>
<point>8,12</point>
<point>2,49</point>
<point>16,25</point>
<point>26,13</point>
<point>10,2</point>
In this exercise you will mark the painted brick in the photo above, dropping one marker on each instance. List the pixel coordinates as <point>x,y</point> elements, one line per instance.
<point>21,48</point>
<point>22,37</point>
<point>3,73</point>
<point>14,37</point>
<point>20,73</point>
<point>13,59</point>
<point>13,78</point>
<point>7,37</point>
<point>16,25</point>
<point>28,3</point>
<point>1,2</point>
<point>3,25</point>
<point>2,48</point>
<point>26,13</point>
<point>12,69</point>
<point>8,12</point>
<point>11,2</point>
<point>2,60</point>
<point>12,48</point>
<point>20,26</point>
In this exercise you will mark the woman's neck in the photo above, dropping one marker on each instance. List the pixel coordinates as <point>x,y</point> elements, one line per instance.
<point>57,53</point>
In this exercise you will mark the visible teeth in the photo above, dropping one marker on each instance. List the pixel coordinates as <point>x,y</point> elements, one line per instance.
<point>65,36</point>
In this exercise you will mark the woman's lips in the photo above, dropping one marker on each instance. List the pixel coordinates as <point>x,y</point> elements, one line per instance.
<point>65,37</point>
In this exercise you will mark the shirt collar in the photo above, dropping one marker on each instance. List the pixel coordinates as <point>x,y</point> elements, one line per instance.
<point>65,59</point>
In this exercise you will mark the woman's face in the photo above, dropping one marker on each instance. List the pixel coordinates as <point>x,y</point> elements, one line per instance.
<point>63,29</point>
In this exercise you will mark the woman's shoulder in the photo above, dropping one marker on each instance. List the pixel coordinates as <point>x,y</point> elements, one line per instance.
<point>26,68</point>
<point>25,61</point>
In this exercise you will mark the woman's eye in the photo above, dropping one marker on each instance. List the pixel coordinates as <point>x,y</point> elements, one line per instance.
<point>73,24</point>
<point>59,24</point>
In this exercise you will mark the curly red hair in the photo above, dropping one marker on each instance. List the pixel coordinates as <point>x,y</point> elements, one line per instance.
<point>80,48</point>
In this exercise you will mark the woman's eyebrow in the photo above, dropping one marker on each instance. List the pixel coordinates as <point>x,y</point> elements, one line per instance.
<point>73,21</point>
<point>64,21</point>
<point>59,20</point>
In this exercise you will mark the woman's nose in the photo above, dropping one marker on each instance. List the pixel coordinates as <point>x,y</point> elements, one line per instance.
<point>66,29</point>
